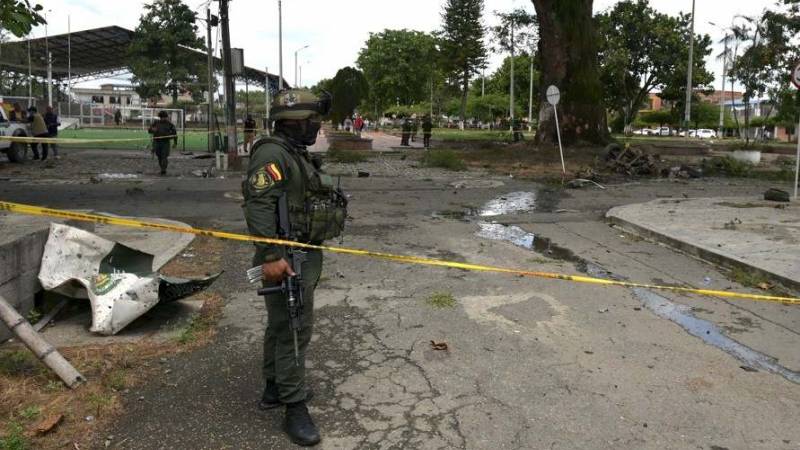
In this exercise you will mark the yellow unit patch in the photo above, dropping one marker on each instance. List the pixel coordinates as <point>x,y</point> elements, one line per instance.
<point>261,180</point>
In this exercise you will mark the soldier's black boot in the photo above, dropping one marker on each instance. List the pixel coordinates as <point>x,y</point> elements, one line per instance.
<point>269,400</point>
<point>299,426</point>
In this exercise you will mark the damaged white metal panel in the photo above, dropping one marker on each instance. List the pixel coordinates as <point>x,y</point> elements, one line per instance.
<point>80,264</point>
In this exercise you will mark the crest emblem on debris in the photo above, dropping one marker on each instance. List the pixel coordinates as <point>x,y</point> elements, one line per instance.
<point>290,99</point>
<point>104,283</point>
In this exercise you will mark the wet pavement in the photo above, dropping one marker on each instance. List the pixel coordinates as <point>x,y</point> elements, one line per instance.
<point>531,363</point>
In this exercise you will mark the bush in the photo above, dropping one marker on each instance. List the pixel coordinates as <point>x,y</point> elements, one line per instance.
<point>446,159</point>
<point>727,166</point>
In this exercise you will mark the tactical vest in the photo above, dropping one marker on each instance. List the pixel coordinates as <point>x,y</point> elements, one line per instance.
<point>320,212</point>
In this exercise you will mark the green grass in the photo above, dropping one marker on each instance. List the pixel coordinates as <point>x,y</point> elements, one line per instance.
<point>194,140</point>
<point>31,412</point>
<point>445,159</point>
<point>448,134</point>
<point>347,156</point>
<point>14,438</point>
<point>18,362</point>
<point>441,300</point>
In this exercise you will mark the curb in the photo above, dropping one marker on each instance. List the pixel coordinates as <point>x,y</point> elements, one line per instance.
<point>725,261</point>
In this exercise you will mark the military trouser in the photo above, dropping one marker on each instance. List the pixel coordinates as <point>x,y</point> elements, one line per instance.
<point>279,365</point>
<point>426,138</point>
<point>161,149</point>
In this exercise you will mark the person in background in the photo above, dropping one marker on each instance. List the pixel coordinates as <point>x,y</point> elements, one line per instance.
<point>163,130</point>
<point>427,126</point>
<point>359,125</point>
<point>52,123</point>
<point>17,114</point>
<point>406,132</point>
<point>414,127</point>
<point>249,130</point>
<point>348,124</point>
<point>118,117</point>
<point>38,130</point>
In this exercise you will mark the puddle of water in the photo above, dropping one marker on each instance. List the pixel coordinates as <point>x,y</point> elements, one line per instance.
<point>508,204</point>
<point>541,245</point>
<point>711,334</point>
<point>118,176</point>
<point>463,215</point>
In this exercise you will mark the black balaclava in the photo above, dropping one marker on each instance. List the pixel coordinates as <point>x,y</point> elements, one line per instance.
<point>300,132</point>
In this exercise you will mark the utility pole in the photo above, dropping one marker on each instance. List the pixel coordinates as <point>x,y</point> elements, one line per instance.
<point>511,102</point>
<point>49,79</point>
<point>267,101</point>
<point>295,64</point>
<point>69,65</point>
<point>230,88</point>
<point>721,133</point>
<point>211,21</point>
<point>280,46</point>
<point>30,76</point>
<point>530,96</point>
<point>688,116</point>
<point>483,81</point>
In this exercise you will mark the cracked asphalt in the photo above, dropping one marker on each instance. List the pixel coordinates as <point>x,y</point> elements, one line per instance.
<point>531,363</point>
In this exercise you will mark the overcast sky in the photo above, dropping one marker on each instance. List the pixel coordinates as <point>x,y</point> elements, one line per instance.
<point>335,30</point>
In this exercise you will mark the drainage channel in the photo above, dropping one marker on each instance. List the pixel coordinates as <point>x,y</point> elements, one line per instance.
<point>659,305</point>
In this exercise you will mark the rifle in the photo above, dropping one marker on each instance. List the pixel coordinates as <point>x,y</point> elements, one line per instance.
<point>291,286</point>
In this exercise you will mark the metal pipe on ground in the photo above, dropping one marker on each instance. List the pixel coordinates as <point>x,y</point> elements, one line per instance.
<point>45,352</point>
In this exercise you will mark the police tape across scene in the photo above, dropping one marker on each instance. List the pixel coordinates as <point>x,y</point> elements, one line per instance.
<point>132,223</point>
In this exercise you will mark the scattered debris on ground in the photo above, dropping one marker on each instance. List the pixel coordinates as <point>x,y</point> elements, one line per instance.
<point>630,161</point>
<point>118,281</point>
<point>777,195</point>
<point>440,346</point>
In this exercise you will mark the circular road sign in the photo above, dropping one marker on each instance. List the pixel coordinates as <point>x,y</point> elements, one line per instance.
<point>553,95</point>
<point>796,76</point>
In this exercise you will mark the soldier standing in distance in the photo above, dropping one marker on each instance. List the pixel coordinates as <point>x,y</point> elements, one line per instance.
<point>281,168</point>
<point>427,126</point>
<point>163,130</point>
<point>249,130</point>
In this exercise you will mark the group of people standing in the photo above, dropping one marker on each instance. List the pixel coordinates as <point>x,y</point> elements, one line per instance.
<point>410,128</point>
<point>41,127</point>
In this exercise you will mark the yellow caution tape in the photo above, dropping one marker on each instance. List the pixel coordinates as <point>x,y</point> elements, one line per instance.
<point>132,223</point>
<point>68,141</point>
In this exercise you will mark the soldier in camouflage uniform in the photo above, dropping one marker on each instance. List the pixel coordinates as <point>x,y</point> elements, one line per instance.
<point>281,165</point>
<point>163,131</point>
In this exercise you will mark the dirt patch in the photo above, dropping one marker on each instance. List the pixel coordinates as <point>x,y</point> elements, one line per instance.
<point>525,161</point>
<point>202,257</point>
<point>32,395</point>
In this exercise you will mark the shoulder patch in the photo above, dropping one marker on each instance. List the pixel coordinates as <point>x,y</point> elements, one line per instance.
<point>266,177</point>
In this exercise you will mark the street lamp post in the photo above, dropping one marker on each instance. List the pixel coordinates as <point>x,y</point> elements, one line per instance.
<point>295,63</point>
<point>688,116</point>
<point>721,131</point>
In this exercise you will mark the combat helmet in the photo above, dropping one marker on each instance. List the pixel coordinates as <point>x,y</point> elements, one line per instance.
<point>299,104</point>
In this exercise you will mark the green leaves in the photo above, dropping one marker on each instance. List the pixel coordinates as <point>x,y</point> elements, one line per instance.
<point>349,87</point>
<point>19,17</point>
<point>158,63</point>
<point>398,65</point>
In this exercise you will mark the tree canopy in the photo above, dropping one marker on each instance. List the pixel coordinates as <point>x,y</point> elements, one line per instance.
<point>19,16</point>
<point>158,63</point>
<point>642,50</point>
<point>463,51</point>
<point>349,87</point>
<point>398,65</point>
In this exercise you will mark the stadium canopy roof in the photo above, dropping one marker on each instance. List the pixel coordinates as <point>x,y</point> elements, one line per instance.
<point>95,53</point>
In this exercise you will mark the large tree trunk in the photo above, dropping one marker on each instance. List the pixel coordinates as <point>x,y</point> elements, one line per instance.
<point>568,49</point>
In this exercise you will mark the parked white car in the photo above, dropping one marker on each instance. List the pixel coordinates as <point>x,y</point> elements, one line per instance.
<point>705,133</point>
<point>16,151</point>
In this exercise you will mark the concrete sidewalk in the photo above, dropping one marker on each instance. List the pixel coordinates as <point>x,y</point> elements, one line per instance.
<point>740,232</point>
